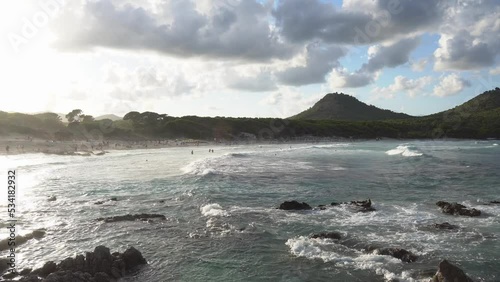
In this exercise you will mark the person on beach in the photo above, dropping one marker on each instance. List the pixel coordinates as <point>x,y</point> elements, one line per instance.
<point>192,152</point>
<point>7,148</point>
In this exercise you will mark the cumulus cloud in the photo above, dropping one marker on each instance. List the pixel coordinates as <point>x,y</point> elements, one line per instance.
<point>239,31</point>
<point>450,85</point>
<point>359,22</point>
<point>403,84</point>
<point>381,56</point>
<point>319,62</point>
<point>391,55</point>
<point>262,81</point>
<point>468,36</point>
<point>345,79</point>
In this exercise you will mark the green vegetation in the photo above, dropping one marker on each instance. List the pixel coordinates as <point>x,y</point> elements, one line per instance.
<point>478,118</point>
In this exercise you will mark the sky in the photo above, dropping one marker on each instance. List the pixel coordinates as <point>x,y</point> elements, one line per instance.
<point>244,58</point>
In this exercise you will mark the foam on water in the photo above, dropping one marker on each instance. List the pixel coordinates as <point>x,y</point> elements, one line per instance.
<point>328,251</point>
<point>405,151</point>
<point>213,210</point>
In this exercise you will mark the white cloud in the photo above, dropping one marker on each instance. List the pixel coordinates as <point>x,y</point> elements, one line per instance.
<point>419,65</point>
<point>403,84</point>
<point>450,85</point>
<point>344,79</point>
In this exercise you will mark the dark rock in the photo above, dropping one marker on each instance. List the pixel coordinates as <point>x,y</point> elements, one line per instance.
<point>99,203</point>
<point>133,258</point>
<point>445,226</point>
<point>161,201</point>
<point>327,235</point>
<point>322,207</point>
<point>495,202</point>
<point>66,276</point>
<point>130,217</point>
<point>3,264</point>
<point>448,272</point>
<point>114,199</point>
<point>101,277</point>
<point>25,271</point>
<point>20,239</point>
<point>364,204</point>
<point>358,206</point>
<point>294,205</point>
<point>457,209</point>
<point>97,266</point>
<point>51,198</point>
<point>48,268</point>
<point>401,254</point>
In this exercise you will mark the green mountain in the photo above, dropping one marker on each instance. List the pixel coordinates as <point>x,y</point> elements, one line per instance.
<point>478,118</point>
<point>345,107</point>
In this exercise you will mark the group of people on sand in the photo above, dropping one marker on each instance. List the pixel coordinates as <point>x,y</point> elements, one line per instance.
<point>209,150</point>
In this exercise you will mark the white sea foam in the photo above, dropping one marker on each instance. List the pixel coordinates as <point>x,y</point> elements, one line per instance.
<point>328,251</point>
<point>405,151</point>
<point>213,210</point>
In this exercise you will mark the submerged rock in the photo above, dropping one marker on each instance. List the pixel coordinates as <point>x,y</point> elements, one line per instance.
<point>457,209</point>
<point>445,226</point>
<point>358,206</point>
<point>21,239</point>
<point>294,205</point>
<point>402,254</point>
<point>97,266</point>
<point>448,272</point>
<point>52,198</point>
<point>132,217</point>
<point>326,235</point>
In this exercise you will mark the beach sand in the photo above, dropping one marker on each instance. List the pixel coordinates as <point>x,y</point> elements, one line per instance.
<point>19,144</point>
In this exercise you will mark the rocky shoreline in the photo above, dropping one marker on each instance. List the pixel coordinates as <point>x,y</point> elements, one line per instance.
<point>445,272</point>
<point>98,266</point>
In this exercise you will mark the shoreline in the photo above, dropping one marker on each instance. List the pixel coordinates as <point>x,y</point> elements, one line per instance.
<point>18,145</point>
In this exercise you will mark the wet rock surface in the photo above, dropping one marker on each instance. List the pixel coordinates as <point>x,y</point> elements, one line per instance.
<point>448,272</point>
<point>445,226</point>
<point>326,235</point>
<point>132,217</point>
<point>457,209</point>
<point>97,266</point>
<point>402,254</point>
<point>358,206</point>
<point>294,205</point>
<point>21,239</point>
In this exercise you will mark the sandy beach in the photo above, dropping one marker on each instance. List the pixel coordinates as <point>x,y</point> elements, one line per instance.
<point>19,144</point>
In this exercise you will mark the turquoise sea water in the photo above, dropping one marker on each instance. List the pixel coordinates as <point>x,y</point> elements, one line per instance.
<point>222,224</point>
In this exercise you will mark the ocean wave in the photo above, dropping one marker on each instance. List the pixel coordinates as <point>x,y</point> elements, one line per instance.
<point>405,151</point>
<point>213,210</point>
<point>200,167</point>
<point>328,251</point>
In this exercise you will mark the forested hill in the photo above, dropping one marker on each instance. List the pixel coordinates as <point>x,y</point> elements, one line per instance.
<point>476,119</point>
<point>339,106</point>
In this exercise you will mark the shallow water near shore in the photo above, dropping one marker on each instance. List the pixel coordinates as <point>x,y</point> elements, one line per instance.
<point>222,224</point>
